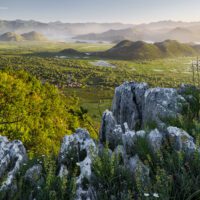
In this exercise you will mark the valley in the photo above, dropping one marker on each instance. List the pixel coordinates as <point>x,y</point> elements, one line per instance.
<point>77,76</point>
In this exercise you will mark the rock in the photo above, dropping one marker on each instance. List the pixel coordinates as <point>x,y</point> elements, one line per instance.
<point>129,139</point>
<point>181,140</point>
<point>12,156</point>
<point>78,148</point>
<point>155,140</point>
<point>141,133</point>
<point>33,176</point>
<point>107,126</point>
<point>139,170</point>
<point>110,132</point>
<point>161,104</point>
<point>139,106</point>
<point>127,103</point>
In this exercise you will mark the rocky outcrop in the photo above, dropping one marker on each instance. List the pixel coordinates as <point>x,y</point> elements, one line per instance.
<point>138,114</point>
<point>128,103</point>
<point>161,104</point>
<point>155,139</point>
<point>140,106</point>
<point>78,149</point>
<point>181,140</point>
<point>12,156</point>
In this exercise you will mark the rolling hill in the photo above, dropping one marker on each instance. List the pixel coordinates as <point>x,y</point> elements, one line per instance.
<point>71,52</point>
<point>133,50</point>
<point>14,37</point>
<point>172,48</point>
<point>182,35</point>
<point>10,36</point>
<point>112,35</point>
<point>34,36</point>
<point>139,50</point>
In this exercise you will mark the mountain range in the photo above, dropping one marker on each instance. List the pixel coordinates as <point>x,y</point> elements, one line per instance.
<point>153,32</point>
<point>112,32</point>
<point>58,30</point>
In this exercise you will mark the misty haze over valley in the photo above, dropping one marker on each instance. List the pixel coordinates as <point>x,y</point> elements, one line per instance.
<point>108,32</point>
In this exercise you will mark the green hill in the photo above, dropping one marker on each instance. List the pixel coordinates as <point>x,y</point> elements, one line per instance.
<point>171,48</point>
<point>11,37</point>
<point>133,50</point>
<point>71,52</point>
<point>129,50</point>
<point>34,36</point>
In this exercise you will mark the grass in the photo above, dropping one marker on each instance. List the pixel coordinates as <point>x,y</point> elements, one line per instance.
<point>95,100</point>
<point>16,48</point>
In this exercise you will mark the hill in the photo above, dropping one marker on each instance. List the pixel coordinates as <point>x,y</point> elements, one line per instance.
<point>30,36</point>
<point>112,35</point>
<point>129,50</point>
<point>71,52</point>
<point>182,35</point>
<point>133,50</point>
<point>34,36</point>
<point>172,48</point>
<point>11,36</point>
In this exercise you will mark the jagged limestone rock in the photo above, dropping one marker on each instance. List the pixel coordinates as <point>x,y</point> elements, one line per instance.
<point>78,148</point>
<point>127,103</point>
<point>107,126</point>
<point>139,106</point>
<point>129,139</point>
<point>12,156</point>
<point>181,140</point>
<point>110,132</point>
<point>155,139</point>
<point>160,105</point>
<point>138,169</point>
<point>141,134</point>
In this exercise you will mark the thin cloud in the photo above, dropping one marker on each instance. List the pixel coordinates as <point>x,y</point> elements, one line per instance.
<point>3,8</point>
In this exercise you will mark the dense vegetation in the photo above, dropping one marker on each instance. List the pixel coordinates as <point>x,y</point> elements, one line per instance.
<point>37,114</point>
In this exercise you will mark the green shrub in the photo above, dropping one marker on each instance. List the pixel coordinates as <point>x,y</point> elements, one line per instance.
<point>37,114</point>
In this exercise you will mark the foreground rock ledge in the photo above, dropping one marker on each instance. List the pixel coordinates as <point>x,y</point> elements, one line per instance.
<point>135,107</point>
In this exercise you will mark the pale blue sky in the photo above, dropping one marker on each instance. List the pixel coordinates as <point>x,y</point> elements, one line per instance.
<point>127,11</point>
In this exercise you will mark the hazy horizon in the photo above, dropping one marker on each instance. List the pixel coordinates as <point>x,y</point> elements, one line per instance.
<point>101,11</point>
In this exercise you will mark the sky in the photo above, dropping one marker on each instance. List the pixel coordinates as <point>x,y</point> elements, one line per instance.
<point>125,11</point>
